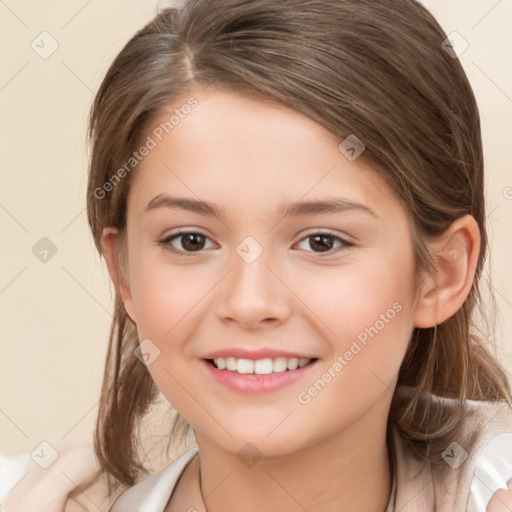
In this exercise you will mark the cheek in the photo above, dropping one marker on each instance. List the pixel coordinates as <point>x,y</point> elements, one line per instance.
<point>163,294</point>
<point>365,357</point>
<point>364,312</point>
<point>352,297</point>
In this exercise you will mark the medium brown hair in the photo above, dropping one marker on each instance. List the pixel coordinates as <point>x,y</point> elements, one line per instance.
<point>376,69</point>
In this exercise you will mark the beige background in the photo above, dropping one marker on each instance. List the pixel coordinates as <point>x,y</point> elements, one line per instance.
<point>56,315</point>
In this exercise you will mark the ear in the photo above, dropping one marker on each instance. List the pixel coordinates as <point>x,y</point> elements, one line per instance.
<point>455,253</point>
<point>117,266</point>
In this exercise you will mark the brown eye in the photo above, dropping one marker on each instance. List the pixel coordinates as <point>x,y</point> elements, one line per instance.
<point>190,242</point>
<point>325,242</point>
<point>321,242</point>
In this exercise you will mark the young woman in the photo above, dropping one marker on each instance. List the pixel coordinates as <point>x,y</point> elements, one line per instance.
<point>290,200</point>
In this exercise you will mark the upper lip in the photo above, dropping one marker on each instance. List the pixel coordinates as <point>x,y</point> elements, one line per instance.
<point>261,353</point>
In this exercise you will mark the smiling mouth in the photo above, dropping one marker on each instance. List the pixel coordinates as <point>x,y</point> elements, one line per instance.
<point>264,366</point>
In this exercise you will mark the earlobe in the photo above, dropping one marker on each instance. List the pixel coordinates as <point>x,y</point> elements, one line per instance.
<point>455,254</point>
<point>112,247</point>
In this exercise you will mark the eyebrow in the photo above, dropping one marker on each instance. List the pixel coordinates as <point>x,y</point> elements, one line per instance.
<point>328,205</point>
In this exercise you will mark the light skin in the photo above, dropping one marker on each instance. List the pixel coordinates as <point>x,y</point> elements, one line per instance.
<point>248,158</point>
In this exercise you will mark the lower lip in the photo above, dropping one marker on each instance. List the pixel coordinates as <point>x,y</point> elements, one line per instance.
<point>254,384</point>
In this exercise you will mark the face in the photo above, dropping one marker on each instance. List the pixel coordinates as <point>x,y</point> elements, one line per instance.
<point>328,286</point>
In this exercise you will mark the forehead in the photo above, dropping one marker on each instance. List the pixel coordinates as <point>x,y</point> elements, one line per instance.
<point>236,149</point>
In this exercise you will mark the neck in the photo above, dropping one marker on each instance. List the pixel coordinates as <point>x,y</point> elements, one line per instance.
<point>347,471</point>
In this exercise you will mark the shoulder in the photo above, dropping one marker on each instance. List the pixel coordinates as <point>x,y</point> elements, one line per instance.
<point>489,456</point>
<point>478,460</point>
<point>13,468</point>
<point>53,477</point>
<point>153,493</point>
<point>474,463</point>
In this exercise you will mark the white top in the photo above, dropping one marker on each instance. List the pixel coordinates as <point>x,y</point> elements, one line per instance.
<point>472,483</point>
<point>468,486</point>
<point>153,493</point>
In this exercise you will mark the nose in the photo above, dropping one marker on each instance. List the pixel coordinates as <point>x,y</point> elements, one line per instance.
<point>254,295</point>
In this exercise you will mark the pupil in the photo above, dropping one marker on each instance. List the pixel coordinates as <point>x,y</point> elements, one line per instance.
<point>322,242</point>
<point>195,244</point>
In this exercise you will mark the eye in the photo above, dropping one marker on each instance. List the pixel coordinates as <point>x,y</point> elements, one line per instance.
<point>324,241</point>
<point>194,242</point>
<point>191,242</point>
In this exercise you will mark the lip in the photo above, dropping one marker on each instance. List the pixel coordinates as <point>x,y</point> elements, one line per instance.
<point>260,353</point>
<point>252,384</point>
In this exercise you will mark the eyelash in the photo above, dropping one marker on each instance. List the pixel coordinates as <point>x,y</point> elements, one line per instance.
<point>166,243</point>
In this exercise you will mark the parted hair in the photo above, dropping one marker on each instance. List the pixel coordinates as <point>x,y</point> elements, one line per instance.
<point>376,69</point>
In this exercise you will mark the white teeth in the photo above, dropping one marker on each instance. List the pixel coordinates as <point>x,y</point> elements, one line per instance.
<point>280,364</point>
<point>263,366</point>
<point>245,366</point>
<point>260,366</point>
<point>293,364</point>
<point>230,364</point>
